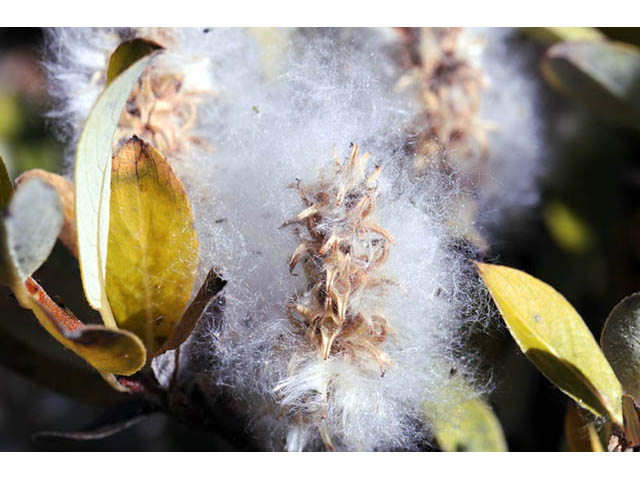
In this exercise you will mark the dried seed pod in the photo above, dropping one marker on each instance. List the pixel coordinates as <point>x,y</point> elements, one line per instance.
<point>343,248</point>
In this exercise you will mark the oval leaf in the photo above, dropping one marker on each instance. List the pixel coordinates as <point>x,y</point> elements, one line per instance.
<point>127,54</point>
<point>29,231</point>
<point>620,341</point>
<point>109,351</point>
<point>68,234</point>
<point>93,187</point>
<point>553,336</point>
<point>6,187</point>
<point>580,431</point>
<point>153,248</point>
<point>603,75</point>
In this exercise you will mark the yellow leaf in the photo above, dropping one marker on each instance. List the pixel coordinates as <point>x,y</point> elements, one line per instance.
<point>127,54</point>
<point>153,248</point>
<point>580,432</point>
<point>620,342</point>
<point>109,351</point>
<point>93,186</point>
<point>6,187</point>
<point>553,336</point>
<point>68,234</point>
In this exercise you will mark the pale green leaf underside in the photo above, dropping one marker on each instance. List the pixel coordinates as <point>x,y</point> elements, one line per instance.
<point>92,181</point>
<point>29,231</point>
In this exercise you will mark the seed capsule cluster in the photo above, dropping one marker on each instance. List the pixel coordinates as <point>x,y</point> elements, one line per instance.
<point>342,249</point>
<point>161,112</point>
<point>451,88</point>
<point>160,109</point>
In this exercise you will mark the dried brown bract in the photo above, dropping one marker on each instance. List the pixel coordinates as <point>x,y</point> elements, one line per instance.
<point>342,250</point>
<point>450,90</point>
<point>161,112</point>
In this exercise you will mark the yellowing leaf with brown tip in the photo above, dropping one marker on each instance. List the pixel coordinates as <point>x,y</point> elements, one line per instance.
<point>153,248</point>
<point>109,351</point>
<point>553,336</point>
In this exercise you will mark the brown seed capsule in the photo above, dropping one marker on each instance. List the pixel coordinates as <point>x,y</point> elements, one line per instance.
<point>343,249</point>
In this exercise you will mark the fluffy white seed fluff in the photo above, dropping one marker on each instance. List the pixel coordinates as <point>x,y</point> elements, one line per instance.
<point>334,88</point>
<point>511,109</point>
<point>283,105</point>
<point>76,69</point>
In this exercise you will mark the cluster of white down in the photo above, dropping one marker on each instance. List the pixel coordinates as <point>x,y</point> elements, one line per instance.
<point>267,134</point>
<point>75,66</point>
<point>280,111</point>
<point>77,59</point>
<point>512,112</point>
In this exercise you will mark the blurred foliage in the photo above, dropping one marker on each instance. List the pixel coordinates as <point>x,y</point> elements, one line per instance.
<point>551,35</point>
<point>603,75</point>
<point>470,425</point>
<point>567,229</point>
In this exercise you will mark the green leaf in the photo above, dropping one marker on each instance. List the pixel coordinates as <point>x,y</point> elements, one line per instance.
<point>580,431</point>
<point>153,248</point>
<point>551,35</point>
<point>69,234</point>
<point>6,187</point>
<point>127,54</point>
<point>603,75</point>
<point>620,341</point>
<point>553,336</point>
<point>93,185</point>
<point>470,426</point>
<point>28,231</point>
